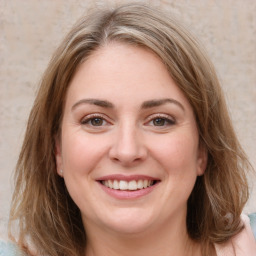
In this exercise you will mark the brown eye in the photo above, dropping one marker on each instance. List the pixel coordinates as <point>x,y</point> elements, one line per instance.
<point>96,121</point>
<point>162,121</point>
<point>159,121</point>
<point>93,121</point>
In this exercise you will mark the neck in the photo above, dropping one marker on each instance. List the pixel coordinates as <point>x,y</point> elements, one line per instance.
<point>171,240</point>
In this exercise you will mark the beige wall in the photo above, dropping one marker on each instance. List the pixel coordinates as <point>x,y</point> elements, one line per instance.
<point>30,30</point>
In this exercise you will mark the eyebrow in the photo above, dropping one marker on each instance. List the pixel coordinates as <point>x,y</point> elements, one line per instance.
<point>157,103</point>
<point>100,103</point>
<point>145,105</point>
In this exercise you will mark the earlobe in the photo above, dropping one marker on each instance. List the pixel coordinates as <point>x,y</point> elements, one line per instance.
<point>202,159</point>
<point>58,157</point>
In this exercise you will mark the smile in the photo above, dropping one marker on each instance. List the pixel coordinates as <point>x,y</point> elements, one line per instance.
<point>128,185</point>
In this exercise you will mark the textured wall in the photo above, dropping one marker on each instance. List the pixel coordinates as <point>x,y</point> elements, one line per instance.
<point>31,30</point>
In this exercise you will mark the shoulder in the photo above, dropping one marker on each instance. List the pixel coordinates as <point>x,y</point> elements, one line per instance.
<point>240,245</point>
<point>253,223</point>
<point>8,248</point>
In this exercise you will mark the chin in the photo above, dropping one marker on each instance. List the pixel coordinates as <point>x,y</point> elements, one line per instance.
<point>128,221</point>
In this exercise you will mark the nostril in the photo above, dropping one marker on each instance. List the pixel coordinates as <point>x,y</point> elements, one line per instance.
<point>126,160</point>
<point>115,159</point>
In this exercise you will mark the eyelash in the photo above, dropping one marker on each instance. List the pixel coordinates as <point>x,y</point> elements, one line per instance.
<point>169,121</point>
<point>88,119</point>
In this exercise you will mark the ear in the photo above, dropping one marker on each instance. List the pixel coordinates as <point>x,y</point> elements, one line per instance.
<point>202,159</point>
<point>58,156</point>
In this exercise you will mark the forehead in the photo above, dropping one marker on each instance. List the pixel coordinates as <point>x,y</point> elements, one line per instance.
<point>121,71</point>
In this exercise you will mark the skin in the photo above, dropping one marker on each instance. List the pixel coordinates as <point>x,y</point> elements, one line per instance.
<point>133,136</point>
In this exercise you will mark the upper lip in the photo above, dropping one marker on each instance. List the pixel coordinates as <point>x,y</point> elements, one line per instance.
<point>126,177</point>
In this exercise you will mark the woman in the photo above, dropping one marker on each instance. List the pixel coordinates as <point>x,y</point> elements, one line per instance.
<point>129,148</point>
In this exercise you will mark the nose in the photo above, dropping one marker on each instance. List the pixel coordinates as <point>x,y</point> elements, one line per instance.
<point>128,147</point>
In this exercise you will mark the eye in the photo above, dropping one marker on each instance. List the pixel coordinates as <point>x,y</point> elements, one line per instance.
<point>94,121</point>
<point>161,121</point>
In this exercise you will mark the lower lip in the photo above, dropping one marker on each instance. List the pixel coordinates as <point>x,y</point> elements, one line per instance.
<point>128,194</point>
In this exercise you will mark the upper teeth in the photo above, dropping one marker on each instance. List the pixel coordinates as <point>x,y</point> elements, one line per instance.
<point>127,185</point>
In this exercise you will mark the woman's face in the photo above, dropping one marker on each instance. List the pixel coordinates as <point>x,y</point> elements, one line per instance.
<point>129,146</point>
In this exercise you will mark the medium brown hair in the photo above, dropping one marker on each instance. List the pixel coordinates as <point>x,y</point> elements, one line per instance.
<point>47,216</point>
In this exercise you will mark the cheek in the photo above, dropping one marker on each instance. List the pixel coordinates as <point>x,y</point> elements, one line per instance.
<point>81,152</point>
<point>177,152</point>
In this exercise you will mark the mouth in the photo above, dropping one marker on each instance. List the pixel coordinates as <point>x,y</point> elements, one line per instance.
<point>124,187</point>
<point>132,185</point>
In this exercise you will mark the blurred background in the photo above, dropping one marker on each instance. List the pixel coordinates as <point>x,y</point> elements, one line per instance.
<point>30,31</point>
